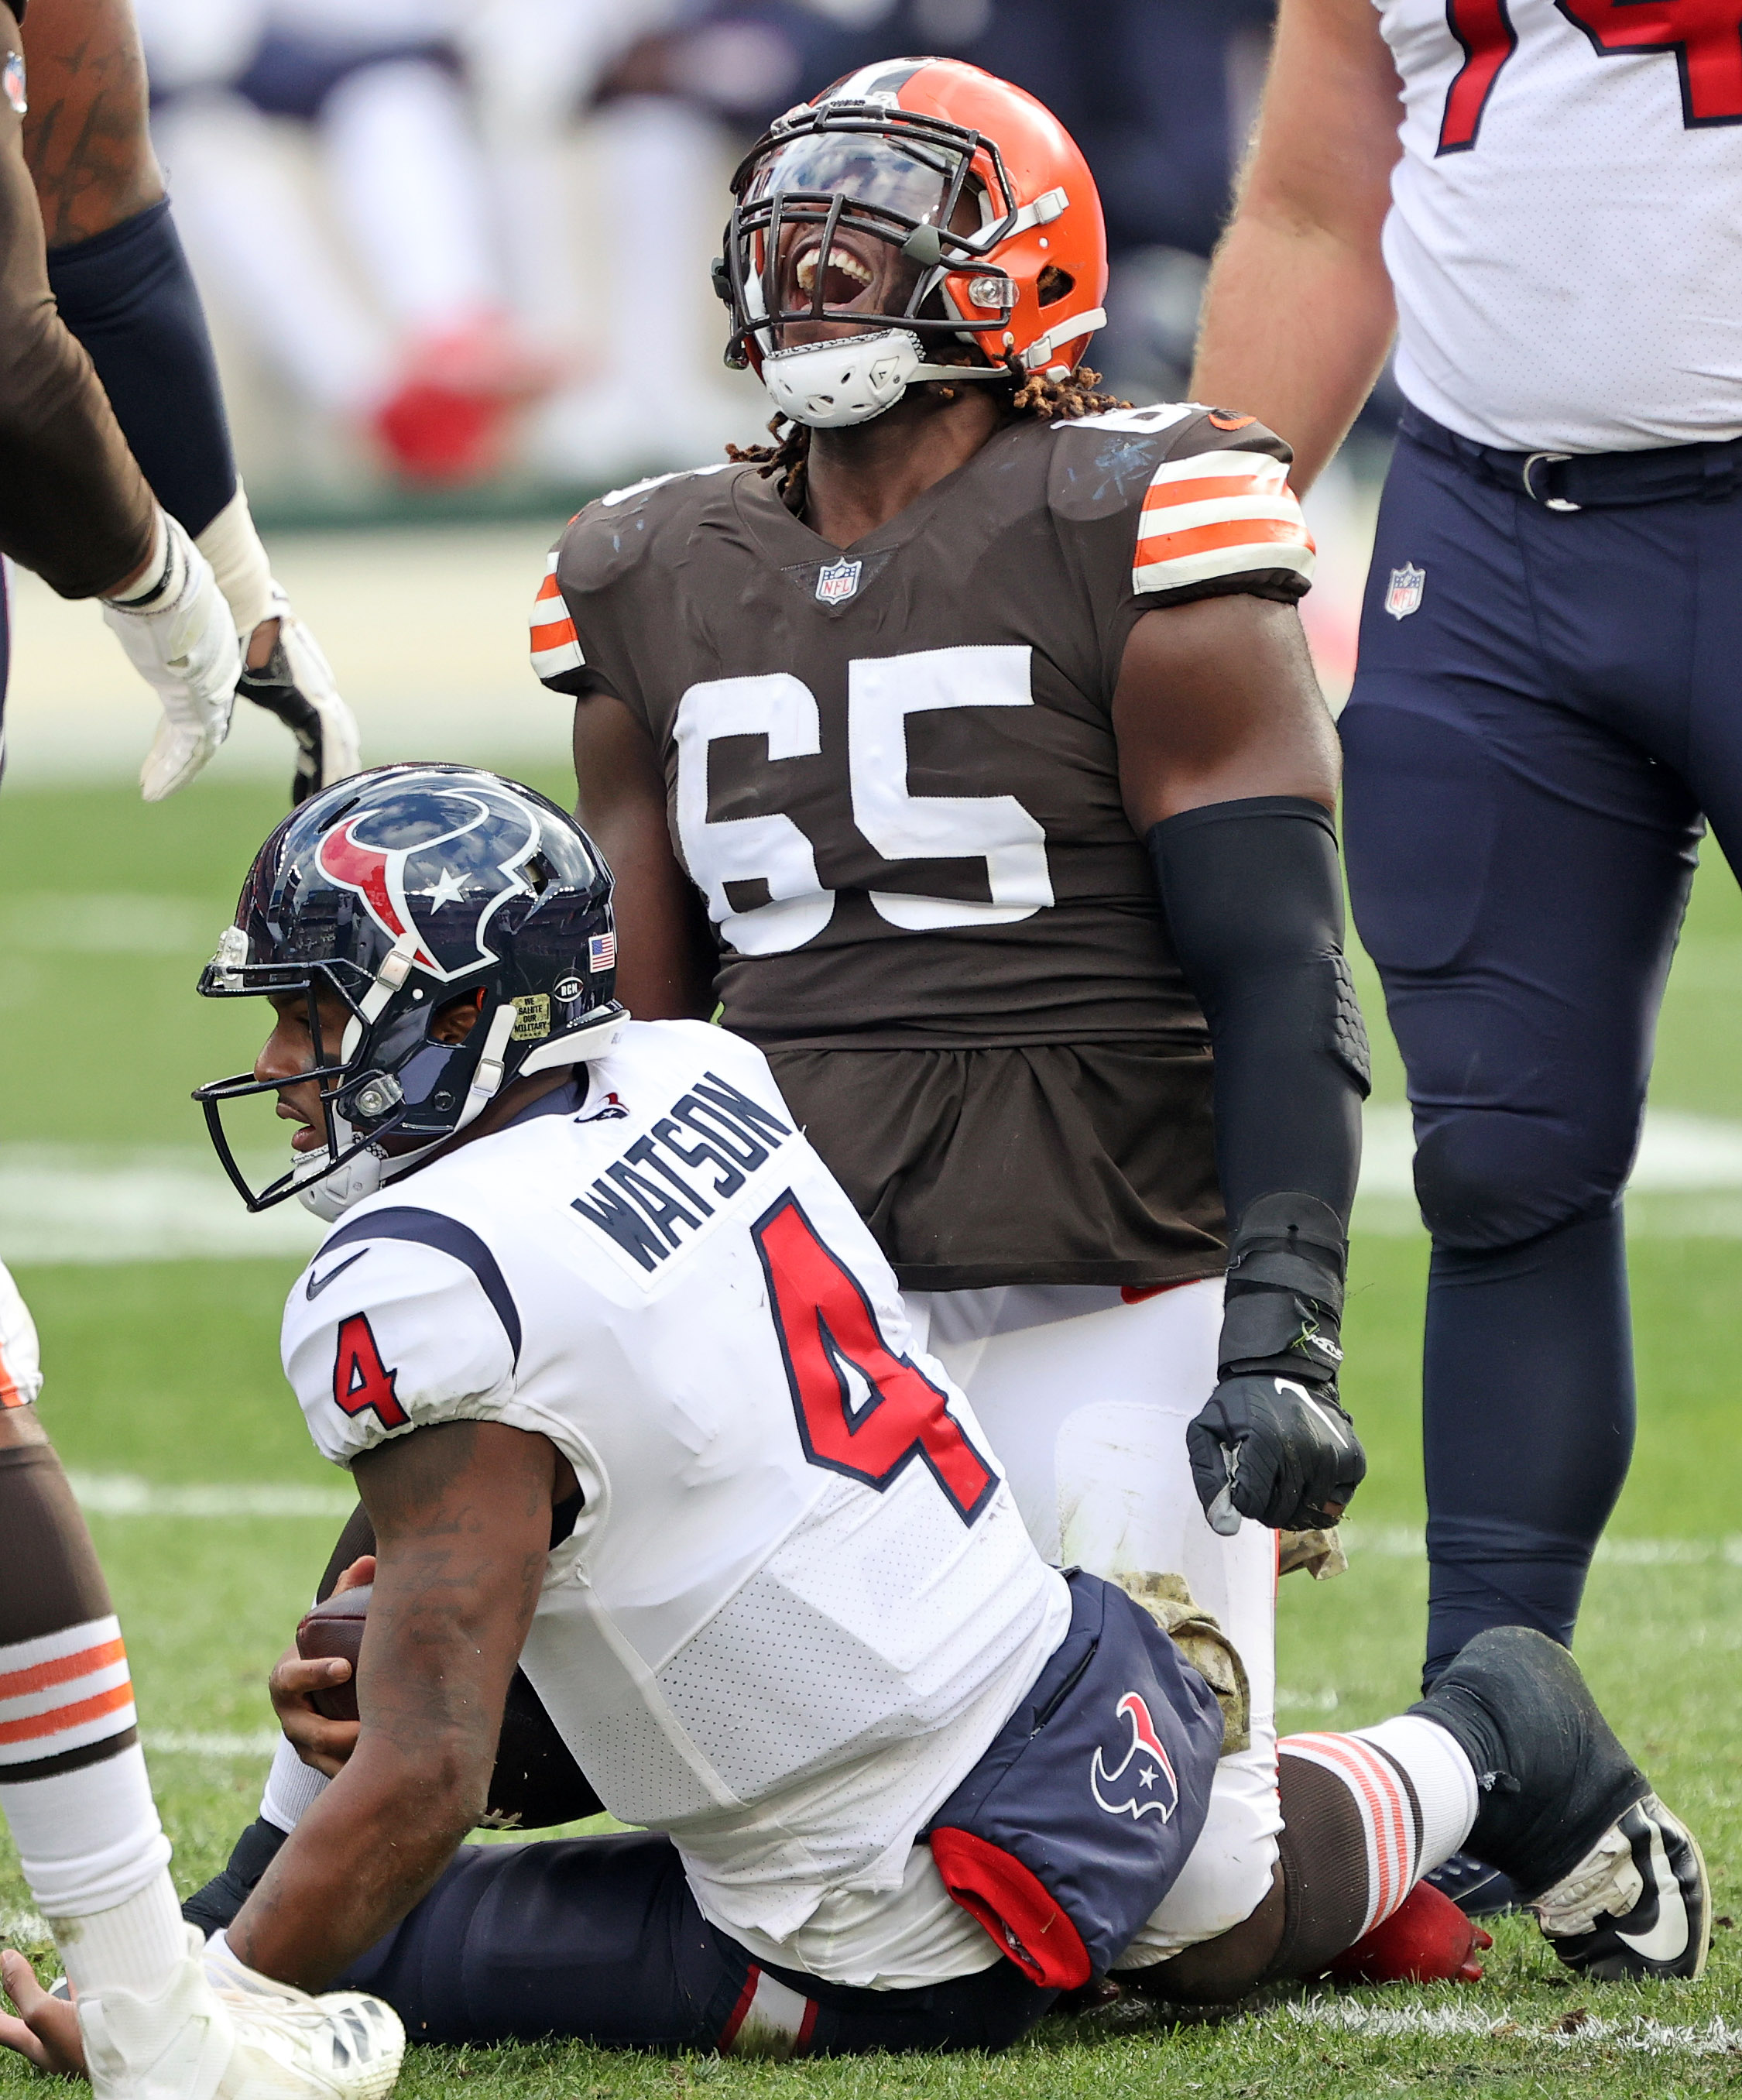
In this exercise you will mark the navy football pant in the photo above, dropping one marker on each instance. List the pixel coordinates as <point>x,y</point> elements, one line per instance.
<point>599,1939</point>
<point>1528,754</point>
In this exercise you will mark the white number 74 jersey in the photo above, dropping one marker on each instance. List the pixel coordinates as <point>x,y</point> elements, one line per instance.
<point>798,1601</point>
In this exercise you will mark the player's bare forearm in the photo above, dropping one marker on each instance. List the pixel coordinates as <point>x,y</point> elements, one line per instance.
<point>1296,330</point>
<point>667,956</point>
<point>86,135</point>
<point>74,505</point>
<point>462,1516</point>
<point>1298,313</point>
<point>1217,702</point>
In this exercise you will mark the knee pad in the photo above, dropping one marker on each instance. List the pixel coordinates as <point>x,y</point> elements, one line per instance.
<point>1490,1178</point>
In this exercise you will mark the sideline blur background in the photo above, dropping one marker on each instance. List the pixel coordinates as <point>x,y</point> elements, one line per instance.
<point>456,258</point>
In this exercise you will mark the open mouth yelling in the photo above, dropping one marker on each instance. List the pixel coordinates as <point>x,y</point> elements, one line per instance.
<point>844,277</point>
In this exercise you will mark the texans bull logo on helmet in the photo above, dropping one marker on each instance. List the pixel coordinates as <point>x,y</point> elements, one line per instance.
<point>1143,1783</point>
<point>444,889</point>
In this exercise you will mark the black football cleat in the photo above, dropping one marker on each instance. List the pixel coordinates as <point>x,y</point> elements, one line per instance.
<point>1638,1905</point>
<point>1478,1890</point>
<point>1553,1777</point>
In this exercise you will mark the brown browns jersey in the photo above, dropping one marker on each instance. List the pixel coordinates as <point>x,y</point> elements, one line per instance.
<point>892,772</point>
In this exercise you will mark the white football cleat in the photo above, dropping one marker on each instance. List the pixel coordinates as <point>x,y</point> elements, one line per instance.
<point>194,2042</point>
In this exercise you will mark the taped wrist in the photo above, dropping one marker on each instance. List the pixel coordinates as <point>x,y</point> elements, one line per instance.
<point>232,546</point>
<point>1253,894</point>
<point>1283,1306</point>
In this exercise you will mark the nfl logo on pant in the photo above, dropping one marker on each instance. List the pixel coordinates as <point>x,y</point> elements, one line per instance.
<point>836,580</point>
<point>1404,595</point>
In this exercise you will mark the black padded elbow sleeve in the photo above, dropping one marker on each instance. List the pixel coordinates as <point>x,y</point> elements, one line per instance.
<point>1253,896</point>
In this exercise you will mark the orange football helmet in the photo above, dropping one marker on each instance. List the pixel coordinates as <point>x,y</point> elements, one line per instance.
<point>907,152</point>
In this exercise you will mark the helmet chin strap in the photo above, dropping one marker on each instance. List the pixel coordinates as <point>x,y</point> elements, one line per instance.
<point>831,385</point>
<point>366,1174</point>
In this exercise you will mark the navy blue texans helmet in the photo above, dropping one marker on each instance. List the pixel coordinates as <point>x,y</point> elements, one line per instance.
<point>400,891</point>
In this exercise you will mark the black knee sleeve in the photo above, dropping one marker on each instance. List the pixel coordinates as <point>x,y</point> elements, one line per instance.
<point>1324,1856</point>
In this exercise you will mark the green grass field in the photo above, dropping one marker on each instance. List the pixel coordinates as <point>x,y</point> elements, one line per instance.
<point>166,1373</point>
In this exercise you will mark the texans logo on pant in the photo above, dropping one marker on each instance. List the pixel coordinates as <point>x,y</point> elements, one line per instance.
<point>1143,1782</point>
<point>447,887</point>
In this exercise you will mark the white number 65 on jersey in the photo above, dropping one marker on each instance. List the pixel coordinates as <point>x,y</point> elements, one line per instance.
<point>881,693</point>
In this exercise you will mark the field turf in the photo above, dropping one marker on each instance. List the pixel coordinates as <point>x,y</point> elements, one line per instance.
<point>167,1373</point>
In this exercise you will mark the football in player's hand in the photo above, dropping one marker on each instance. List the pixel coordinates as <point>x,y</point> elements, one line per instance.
<point>336,1627</point>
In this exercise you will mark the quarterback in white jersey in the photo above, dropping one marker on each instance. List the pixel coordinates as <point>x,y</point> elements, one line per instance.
<point>631,1397</point>
<point>1544,198</point>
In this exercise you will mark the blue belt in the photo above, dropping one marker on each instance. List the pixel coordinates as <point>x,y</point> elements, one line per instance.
<point>1590,481</point>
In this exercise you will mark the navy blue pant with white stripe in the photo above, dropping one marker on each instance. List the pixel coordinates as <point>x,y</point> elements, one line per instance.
<point>599,1939</point>
<point>1528,753</point>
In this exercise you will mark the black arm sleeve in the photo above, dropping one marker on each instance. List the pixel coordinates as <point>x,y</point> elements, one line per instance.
<point>1253,896</point>
<point>129,298</point>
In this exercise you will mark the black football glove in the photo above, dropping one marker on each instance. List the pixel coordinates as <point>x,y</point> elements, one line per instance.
<point>1275,1450</point>
<point>295,683</point>
<point>1274,1442</point>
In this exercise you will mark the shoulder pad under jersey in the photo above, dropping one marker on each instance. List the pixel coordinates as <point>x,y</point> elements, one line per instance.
<point>599,547</point>
<point>1206,492</point>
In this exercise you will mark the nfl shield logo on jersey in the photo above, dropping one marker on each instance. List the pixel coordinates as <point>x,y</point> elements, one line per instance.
<point>1404,595</point>
<point>836,580</point>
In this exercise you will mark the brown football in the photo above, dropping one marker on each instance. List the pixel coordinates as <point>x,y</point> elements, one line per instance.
<point>336,1628</point>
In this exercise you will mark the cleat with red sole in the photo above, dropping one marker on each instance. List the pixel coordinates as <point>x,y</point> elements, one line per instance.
<point>1427,1940</point>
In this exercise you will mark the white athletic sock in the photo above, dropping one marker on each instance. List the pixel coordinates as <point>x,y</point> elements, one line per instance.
<point>1440,1775</point>
<point>292,1788</point>
<point>135,1947</point>
<point>1415,1793</point>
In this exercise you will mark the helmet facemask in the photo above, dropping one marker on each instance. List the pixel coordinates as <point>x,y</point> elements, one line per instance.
<point>390,899</point>
<point>898,186</point>
<point>390,1079</point>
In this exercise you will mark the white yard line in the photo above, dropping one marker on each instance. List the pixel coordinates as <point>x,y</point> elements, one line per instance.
<point>1716,2037</point>
<point>257,1743</point>
<point>88,1206</point>
<point>126,1494</point>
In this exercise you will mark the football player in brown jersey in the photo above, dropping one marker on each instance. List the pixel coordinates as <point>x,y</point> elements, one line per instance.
<point>963,751</point>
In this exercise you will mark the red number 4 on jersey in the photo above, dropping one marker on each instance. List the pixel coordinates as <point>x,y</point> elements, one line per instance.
<point>360,1379</point>
<point>826,1330</point>
<point>1704,35</point>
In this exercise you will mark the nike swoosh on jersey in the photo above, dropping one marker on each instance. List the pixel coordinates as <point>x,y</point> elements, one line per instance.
<point>1668,1937</point>
<point>316,1284</point>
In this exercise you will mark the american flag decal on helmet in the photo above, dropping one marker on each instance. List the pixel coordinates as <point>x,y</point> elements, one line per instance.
<point>601,951</point>
<point>1217,515</point>
<point>556,648</point>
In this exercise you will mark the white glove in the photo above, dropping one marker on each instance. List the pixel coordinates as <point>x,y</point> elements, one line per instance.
<point>295,683</point>
<point>177,631</point>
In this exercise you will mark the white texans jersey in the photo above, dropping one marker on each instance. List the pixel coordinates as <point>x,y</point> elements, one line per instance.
<point>1565,235</point>
<point>798,1601</point>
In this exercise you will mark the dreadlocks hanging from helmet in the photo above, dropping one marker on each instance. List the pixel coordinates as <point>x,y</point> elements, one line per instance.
<point>939,228</point>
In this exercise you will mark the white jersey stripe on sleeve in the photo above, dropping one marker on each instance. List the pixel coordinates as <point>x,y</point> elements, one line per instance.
<point>1218,514</point>
<point>555,646</point>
